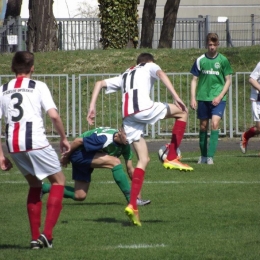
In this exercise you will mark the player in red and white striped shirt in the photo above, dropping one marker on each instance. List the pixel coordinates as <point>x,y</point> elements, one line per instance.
<point>21,103</point>
<point>138,110</point>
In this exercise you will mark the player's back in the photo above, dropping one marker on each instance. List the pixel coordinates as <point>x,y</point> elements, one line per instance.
<point>137,83</point>
<point>22,101</point>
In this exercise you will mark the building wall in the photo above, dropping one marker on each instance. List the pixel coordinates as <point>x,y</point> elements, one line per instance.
<point>191,8</point>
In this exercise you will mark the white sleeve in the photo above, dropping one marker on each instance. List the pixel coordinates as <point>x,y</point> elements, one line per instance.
<point>153,67</point>
<point>256,73</point>
<point>113,84</point>
<point>47,100</point>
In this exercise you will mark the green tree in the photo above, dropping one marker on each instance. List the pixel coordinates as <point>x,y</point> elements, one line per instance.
<point>118,20</point>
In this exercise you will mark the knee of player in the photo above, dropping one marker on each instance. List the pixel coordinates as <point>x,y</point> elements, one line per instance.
<point>184,116</point>
<point>80,197</point>
<point>145,160</point>
<point>214,125</point>
<point>257,127</point>
<point>116,161</point>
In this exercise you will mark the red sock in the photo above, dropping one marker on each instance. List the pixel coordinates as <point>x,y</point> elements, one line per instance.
<point>250,133</point>
<point>34,208</point>
<point>137,182</point>
<point>54,207</point>
<point>177,135</point>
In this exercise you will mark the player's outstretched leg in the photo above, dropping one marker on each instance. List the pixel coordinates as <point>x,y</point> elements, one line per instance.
<point>133,215</point>
<point>243,143</point>
<point>176,165</point>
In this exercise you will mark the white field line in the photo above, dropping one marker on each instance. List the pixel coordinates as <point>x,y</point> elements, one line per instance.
<point>155,182</point>
<point>137,246</point>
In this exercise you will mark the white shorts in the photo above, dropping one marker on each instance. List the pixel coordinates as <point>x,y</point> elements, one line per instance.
<point>135,124</point>
<point>40,163</point>
<point>256,111</point>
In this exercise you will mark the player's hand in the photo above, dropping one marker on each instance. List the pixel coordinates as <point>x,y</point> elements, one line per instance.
<point>216,101</point>
<point>64,146</point>
<point>193,104</point>
<point>64,160</point>
<point>6,164</point>
<point>179,103</point>
<point>91,116</point>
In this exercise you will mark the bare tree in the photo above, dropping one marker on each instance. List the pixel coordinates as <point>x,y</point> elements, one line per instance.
<point>148,19</point>
<point>169,21</point>
<point>42,27</point>
<point>13,8</point>
<point>85,10</point>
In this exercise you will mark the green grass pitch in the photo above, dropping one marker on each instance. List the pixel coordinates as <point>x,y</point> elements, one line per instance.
<point>210,213</point>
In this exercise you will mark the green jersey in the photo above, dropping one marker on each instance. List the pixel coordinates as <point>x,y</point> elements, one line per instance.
<point>211,73</point>
<point>102,139</point>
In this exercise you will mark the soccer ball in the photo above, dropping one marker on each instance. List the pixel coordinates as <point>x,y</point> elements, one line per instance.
<point>163,151</point>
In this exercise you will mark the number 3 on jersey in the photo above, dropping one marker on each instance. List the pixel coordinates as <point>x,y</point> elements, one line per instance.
<point>18,107</point>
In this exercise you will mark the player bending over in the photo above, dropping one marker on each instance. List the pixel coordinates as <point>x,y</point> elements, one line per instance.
<point>98,148</point>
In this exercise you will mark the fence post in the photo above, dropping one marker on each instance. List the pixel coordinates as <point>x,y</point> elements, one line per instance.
<point>231,134</point>
<point>19,33</point>
<point>73,105</point>
<point>200,31</point>
<point>227,33</point>
<point>253,28</point>
<point>207,29</point>
<point>60,35</point>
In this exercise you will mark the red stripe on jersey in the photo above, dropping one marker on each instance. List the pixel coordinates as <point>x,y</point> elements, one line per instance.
<point>16,137</point>
<point>126,105</point>
<point>18,82</point>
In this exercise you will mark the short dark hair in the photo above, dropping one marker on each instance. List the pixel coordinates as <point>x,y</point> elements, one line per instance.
<point>212,37</point>
<point>144,57</point>
<point>22,62</point>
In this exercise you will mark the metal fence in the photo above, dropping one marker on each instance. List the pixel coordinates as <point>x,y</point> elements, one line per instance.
<point>84,33</point>
<point>72,95</point>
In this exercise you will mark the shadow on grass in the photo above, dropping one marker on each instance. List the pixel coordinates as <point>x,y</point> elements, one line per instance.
<point>113,220</point>
<point>249,155</point>
<point>4,246</point>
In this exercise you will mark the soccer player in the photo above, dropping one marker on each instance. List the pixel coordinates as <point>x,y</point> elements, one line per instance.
<point>211,71</point>
<point>21,103</point>
<point>98,148</point>
<point>138,110</point>
<point>254,80</point>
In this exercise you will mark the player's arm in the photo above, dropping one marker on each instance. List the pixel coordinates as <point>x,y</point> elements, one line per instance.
<point>74,145</point>
<point>166,81</point>
<point>129,168</point>
<point>216,100</point>
<point>5,163</point>
<point>127,154</point>
<point>254,83</point>
<point>56,120</point>
<point>193,86</point>
<point>92,107</point>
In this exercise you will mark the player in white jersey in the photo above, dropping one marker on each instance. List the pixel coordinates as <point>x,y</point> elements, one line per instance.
<point>254,81</point>
<point>138,109</point>
<point>21,103</point>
